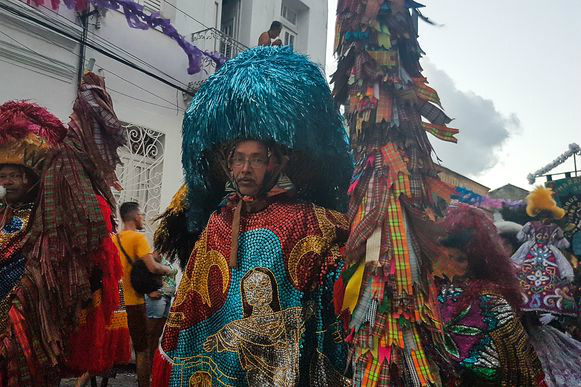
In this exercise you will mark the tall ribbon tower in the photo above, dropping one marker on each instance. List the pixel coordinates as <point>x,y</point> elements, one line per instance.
<point>386,295</point>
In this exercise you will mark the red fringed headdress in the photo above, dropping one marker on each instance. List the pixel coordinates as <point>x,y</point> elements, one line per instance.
<point>28,133</point>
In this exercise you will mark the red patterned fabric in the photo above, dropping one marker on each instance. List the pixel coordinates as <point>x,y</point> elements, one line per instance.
<point>108,338</point>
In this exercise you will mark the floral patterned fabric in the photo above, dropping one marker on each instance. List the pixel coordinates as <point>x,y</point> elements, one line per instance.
<point>544,273</point>
<point>486,340</point>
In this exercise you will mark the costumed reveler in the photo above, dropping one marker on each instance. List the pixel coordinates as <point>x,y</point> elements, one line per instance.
<point>559,353</point>
<point>55,245</point>
<point>479,298</point>
<point>95,122</point>
<point>267,160</point>
<point>544,272</point>
<point>387,294</point>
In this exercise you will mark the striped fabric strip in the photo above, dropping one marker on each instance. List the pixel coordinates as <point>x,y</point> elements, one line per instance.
<point>442,132</point>
<point>421,361</point>
<point>384,58</point>
<point>425,92</point>
<point>371,373</point>
<point>433,113</point>
<point>393,334</point>
<point>392,158</point>
<point>400,251</point>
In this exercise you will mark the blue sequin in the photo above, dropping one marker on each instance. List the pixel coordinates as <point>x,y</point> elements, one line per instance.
<point>13,226</point>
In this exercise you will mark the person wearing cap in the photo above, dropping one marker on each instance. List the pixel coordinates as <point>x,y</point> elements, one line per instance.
<point>267,161</point>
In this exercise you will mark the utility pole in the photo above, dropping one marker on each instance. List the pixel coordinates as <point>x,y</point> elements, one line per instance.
<point>84,18</point>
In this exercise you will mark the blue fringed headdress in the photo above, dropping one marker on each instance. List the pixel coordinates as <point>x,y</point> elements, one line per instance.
<point>274,95</point>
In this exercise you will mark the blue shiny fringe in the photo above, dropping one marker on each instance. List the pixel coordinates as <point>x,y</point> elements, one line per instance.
<point>269,94</point>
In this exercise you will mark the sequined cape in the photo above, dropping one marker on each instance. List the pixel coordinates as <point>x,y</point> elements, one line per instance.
<point>214,337</point>
<point>486,340</point>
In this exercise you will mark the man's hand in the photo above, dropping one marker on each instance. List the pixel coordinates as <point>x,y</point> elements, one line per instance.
<point>156,295</point>
<point>277,42</point>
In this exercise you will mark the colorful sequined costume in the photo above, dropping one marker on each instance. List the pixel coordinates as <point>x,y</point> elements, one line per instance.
<point>387,296</point>
<point>268,319</point>
<point>486,339</point>
<point>56,249</point>
<point>544,272</point>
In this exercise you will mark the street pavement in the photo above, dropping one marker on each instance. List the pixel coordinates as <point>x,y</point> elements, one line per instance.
<point>121,380</point>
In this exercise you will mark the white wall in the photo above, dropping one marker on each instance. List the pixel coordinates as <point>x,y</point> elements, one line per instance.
<point>317,30</point>
<point>48,75</point>
<point>257,15</point>
<point>34,68</point>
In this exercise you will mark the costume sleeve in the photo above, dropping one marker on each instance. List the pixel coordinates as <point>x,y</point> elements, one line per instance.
<point>523,233</point>
<point>565,268</point>
<point>142,247</point>
<point>560,241</point>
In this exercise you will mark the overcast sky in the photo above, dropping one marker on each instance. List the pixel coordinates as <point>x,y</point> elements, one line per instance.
<point>509,72</point>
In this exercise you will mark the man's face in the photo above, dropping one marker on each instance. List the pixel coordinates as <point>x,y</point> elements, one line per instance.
<point>275,33</point>
<point>458,261</point>
<point>248,166</point>
<point>139,219</point>
<point>14,180</point>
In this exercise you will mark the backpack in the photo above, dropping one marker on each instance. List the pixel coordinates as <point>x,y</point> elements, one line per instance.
<point>142,280</point>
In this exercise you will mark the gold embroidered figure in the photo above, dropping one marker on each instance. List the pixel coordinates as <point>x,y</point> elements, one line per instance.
<point>267,338</point>
<point>200,379</point>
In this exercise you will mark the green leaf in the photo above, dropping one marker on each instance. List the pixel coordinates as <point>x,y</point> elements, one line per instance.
<point>451,346</point>
<point>464,330</point>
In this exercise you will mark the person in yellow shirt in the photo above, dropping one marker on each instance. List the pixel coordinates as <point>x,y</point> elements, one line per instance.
<point>133,245</point>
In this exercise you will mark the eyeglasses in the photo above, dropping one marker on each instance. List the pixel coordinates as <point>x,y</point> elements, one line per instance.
<point>255,162</point>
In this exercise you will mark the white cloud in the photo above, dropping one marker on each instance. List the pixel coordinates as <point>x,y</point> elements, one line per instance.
<point>483,129</point>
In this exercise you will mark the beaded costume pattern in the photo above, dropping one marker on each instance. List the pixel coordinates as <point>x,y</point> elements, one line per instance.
<point>269,321</point>
<point>12,261</point>
<point>486,340</point>
<point>542,270</point>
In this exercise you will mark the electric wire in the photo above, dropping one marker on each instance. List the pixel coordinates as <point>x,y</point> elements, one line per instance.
<point>101,40</point>
<point>185,13</point>
<point>172,104</point>
<point>93,46</point>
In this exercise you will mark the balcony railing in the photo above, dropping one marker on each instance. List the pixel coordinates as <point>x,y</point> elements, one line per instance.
<point>214,40</point>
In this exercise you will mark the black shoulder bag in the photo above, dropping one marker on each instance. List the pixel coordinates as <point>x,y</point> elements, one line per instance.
<point>142,280</point>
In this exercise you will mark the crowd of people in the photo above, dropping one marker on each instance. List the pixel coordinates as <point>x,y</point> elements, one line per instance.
<point>304,262</point>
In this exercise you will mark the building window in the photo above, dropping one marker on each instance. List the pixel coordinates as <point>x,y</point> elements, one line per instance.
<point>141,172</point>
<point>151,5</point>
<point>288,37</point>
<point>288,14</point>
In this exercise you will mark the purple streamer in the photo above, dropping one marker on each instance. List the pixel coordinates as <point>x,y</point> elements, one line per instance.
<point>137,18</point>
<point>466,196</point>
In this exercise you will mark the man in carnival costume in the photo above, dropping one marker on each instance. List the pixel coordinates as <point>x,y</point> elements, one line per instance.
<point>254,307</point>
<point>55,247</point>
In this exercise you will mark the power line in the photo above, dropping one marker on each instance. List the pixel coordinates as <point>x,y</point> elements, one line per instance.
<point>142,100</point>
<point>96,48</point>
<point>185,13</point>
<point>108,42</point>
<point>173,106</point>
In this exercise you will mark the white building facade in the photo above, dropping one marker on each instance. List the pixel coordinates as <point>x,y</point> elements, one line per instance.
<point>40,57</point>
